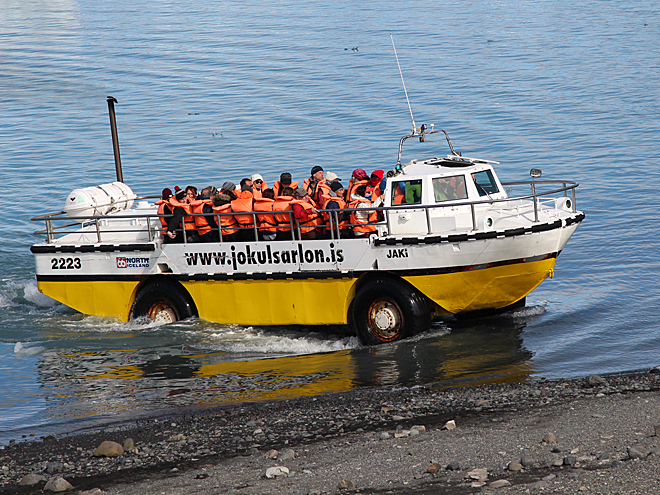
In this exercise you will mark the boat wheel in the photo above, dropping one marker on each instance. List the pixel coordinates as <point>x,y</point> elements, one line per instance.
<point>163,302</point>
<point>385,319</point>
<point>387,310</point>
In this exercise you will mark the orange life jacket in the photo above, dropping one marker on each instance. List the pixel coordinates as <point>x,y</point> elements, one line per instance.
<point>201,223</point>
<point>399,195</point>
<point>163,209</point>
<point>326,215</point>
<point>277,187</point>
<point>266,222</point>
<point>352,187</point>
<point>242,205</point>
<point>257,192</point>
<point>283,204</point>
<point>315,193</point>
<point>360,226</point>
<point>376,193</point>
<point>227,223</point>
<point>188,221</point>
<point>312,221</point>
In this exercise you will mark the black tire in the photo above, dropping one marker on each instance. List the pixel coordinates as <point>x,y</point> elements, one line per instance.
<point>164,303</point>
<point>387,310</point>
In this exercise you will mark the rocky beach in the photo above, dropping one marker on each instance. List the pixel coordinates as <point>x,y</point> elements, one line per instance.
<point>595,435</point>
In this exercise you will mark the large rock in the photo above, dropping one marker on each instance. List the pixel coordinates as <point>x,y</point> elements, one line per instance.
<point>549,438</point>
<point>58,485</point>
<point>109,449</point>
<point>596,381</point>
<point>31,479</point>
<point>277,472</point>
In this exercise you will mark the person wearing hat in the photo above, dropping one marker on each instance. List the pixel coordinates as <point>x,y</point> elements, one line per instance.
<point>358,177</point>
<point>316,185</point>
<point>336,202</point>
<point>164,208</point>
<point>285,181</point>
<point>305,213</point>
<point>331,177</point>
<point>229,188</point>
<point>244,203</point>
<point>258,185</point>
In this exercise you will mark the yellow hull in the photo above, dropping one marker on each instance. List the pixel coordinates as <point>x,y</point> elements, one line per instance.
<point>307,301</point>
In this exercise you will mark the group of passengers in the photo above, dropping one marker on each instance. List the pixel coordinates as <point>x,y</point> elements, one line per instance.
<point>229,214</point>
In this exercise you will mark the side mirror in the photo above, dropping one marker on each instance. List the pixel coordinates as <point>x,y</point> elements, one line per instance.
<point>535,173</point>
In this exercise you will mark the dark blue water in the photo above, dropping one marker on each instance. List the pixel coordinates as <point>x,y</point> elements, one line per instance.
<point>212,91</point>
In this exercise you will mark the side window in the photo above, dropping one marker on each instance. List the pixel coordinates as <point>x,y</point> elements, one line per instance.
<point>485,182</point>
<point>407,192</point>
<point>449,188</point>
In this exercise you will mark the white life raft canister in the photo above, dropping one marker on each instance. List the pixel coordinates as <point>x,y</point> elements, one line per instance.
<point>98,200</point>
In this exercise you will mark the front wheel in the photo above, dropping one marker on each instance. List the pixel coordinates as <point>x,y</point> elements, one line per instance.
<point>163,303</point>
<point>389,310</point>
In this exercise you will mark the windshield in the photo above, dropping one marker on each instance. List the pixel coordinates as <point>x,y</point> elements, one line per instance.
<point>485,182</point>
<point>408,192</point>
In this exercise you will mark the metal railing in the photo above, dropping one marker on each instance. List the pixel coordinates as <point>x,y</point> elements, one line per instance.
<point>336,218</point>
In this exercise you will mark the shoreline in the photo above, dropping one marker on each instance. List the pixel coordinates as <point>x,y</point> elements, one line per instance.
<point>364,440</point>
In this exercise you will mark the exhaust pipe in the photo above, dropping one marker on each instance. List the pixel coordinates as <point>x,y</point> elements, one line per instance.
<point>115,140</point>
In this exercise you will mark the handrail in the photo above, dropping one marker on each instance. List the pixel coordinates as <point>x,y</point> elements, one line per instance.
<point>333,224</point>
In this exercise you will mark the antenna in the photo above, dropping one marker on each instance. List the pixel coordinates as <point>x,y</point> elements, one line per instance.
<point>414,127</point>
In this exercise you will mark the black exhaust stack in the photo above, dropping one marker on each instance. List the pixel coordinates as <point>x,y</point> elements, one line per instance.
<point>115,140</point>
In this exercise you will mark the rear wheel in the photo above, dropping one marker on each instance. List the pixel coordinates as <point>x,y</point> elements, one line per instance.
<point>163,303</point>
<point>389,310</point>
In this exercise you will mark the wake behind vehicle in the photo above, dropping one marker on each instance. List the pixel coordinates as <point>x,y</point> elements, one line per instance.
<point>451,241</point>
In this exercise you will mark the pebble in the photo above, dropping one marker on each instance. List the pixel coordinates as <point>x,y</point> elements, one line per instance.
<point>31,479</point>
<point>54,467</point>
<point>346,485</point>
<point>500,484</point>
<point>558,462</point>
<point>596,381</point>
<point>538,485</point>
<point>418,428</point>
<point>287,455</point>
<point>57,484</point>
<point>570,460</point>
<point>449,425</point>
<point>385,436</point>
<point>397,418</point>
<point>128,444</point>
<point>453,466</point>
<point>109,449</point>
<point>177,438</point>
<point>637,453</point>
<point>527,461</point>
<point>272,454</point>
<point>479,474</point>
<point>277,471</point>
<point>93,491</point>
<point>549,438</point>
<point>433,468</point>
<point>514,466</point>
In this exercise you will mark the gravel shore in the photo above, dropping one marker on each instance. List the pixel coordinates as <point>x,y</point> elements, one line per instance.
<point>596,435</point>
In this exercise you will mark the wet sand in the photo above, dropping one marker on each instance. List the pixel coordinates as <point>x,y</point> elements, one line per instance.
<point>378,441</point>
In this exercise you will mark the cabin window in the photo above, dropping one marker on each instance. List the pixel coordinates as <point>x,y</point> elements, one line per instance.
<point>485,182</point>
<point>449,188</point>
<point>407,192</point>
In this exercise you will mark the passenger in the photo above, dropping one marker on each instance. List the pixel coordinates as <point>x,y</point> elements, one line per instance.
<point>183,211</point>
<point>267,223</point>
<point>336,202</point>
<point>164,208</point>
<point>358,178</point>
<point>244,204</point>
<point>228,224</point>
<point>306,214</point>
<point>283,218</point>
<point>373,188</point>
<point>229,188</point>
<point>331,177</point>
<point>258,185</point>
<point>316,186</point>
<point>363,221</point>
<point>285,181</point>
<point>207,227</point>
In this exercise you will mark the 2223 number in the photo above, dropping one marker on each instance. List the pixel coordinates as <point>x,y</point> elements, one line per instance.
<point>65,263</point>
